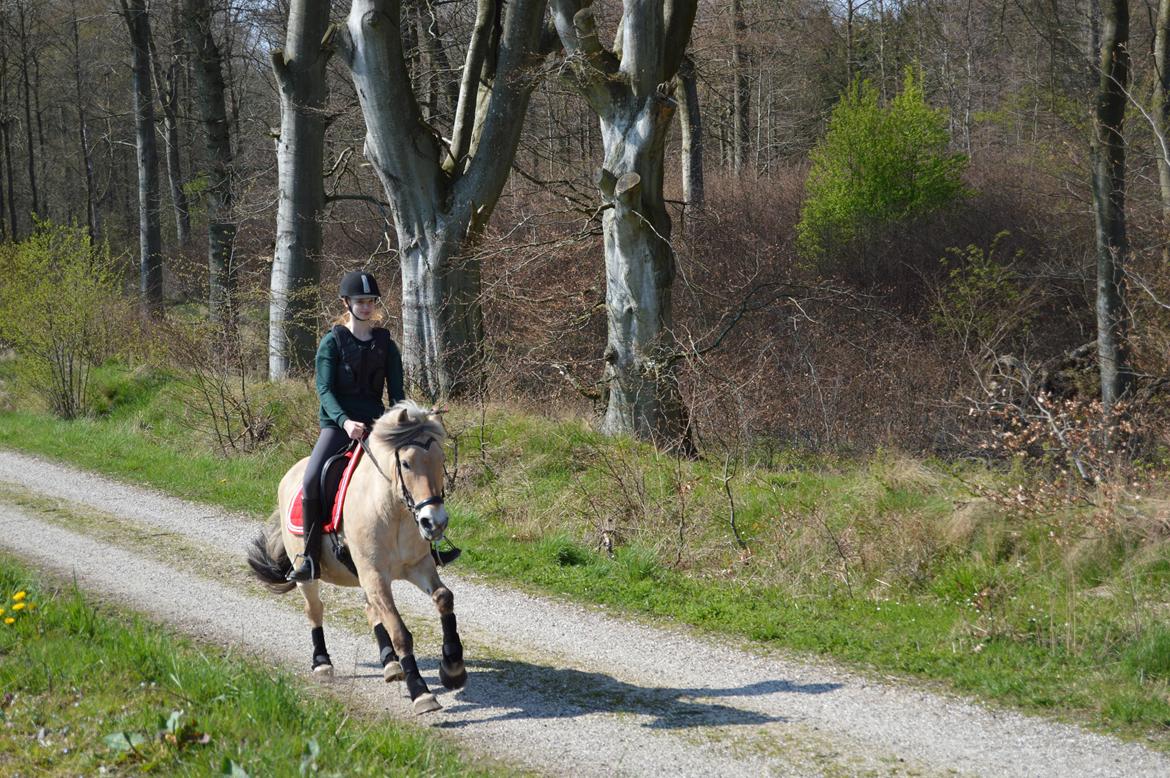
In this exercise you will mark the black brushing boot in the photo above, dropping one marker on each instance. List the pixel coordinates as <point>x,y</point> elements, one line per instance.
<point>310,567</point>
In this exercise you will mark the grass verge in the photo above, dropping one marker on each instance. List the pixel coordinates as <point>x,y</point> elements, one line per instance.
<point>87,688</point>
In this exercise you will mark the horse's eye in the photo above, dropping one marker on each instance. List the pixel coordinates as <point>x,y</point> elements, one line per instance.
<point>405,465</point>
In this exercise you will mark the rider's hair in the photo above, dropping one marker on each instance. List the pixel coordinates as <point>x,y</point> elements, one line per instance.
<point>343,318</point>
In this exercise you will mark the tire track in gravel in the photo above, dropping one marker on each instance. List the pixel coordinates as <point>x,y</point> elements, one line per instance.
<point>555,687</point>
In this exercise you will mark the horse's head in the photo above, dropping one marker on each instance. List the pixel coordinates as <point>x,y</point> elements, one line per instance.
<point>416,437</point>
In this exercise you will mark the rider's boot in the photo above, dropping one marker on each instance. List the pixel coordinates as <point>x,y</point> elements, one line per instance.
<point>310,566</point>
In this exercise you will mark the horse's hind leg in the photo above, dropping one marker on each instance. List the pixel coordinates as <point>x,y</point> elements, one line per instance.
<point>315,611</point>
<point>381,600</point>
<point>391,669</point>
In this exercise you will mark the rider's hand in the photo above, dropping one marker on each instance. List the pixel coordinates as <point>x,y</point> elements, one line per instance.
<point>355,429</point>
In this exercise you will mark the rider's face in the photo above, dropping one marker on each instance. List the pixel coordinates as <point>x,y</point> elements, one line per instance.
<point>363,306</point>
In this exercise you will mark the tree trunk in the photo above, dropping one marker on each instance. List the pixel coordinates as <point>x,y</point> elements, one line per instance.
<point>149,233</point>
<point>300,157</point>
<point>91,215</point>
<point>436,66</point>
<point>742,90</point>
<point>25,60</point>
<point>168,97</point>
<point>1108,186</point>
<point>221,226</point>
<point>850,11</point>
<point>42,177</point>
<point>5,232</point>
<point>441,198</point>
<point>635,116</point>
<point>1161,117</point>
<point>691,122</point>
<point>639,269</point>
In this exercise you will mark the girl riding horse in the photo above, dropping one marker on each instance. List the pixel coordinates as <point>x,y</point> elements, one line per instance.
<point>357,361</point>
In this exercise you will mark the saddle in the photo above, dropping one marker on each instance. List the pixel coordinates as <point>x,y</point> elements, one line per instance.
<point>335,476</point>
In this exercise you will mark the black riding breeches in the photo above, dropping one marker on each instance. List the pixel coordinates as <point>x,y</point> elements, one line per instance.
<point>332,441</point>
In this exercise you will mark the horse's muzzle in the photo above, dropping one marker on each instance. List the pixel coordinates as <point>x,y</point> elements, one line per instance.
<point>432,522</point>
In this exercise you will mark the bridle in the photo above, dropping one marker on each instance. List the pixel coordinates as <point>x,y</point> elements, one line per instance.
<point>407,497</point>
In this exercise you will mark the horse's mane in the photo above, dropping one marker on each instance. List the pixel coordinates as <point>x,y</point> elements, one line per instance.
<point>416,426</point>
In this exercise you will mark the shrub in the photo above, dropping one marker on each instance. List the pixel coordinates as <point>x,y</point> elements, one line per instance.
<point>57,312</point>
<point>877,165</point>
<point>983,302</point>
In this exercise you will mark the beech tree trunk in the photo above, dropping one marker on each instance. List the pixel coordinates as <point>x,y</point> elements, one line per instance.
<point>91,214</point>
<point>149,233</point>
<point>9,176</point>
<point>1161,117</point>
<point>300,158</point>
<point>691,125</point>
<point>7,207</point>
<point>166,83</point>
<point>25,62</point>
<point>1108,184</point>
<point>635,114</point>
<point>221,226</point>
<point>441,196</point>
<point>741,91</point>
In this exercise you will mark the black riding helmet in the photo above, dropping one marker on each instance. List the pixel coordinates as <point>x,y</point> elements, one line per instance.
<point>358,283</point>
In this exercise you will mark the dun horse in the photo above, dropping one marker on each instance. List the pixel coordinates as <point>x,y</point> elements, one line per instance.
<point>393,511</point>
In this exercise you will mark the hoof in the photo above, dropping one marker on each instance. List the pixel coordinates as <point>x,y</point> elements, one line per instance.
<point>455,679</point>
<point>323,671</point>
<point>425,703</point>
<point>392,671</point>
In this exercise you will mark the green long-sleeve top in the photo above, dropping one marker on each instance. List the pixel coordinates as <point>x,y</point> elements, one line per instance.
<point>337,408</point>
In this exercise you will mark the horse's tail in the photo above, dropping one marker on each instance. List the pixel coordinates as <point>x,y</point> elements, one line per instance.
<point>268,559</point>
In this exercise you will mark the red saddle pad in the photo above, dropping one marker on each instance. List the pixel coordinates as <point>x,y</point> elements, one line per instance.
<point>295,520</point>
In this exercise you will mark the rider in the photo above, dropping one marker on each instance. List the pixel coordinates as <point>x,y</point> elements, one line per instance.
<point>356,362</point>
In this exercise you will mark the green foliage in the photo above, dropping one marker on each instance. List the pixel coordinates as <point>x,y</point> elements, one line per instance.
<point>877,165</point>
<point>57,306</point>
<point>983,301</point>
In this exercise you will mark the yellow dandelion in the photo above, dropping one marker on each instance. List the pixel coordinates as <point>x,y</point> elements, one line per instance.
<point>1,611</point>
<point>9,620</point>
<point>18,606</point>
<point>19,596</point>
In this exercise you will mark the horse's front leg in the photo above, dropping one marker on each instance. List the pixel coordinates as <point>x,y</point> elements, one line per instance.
<point>451,670</point>
<point>391,668</point>
<point>315,611</point>
<point>381,600</point>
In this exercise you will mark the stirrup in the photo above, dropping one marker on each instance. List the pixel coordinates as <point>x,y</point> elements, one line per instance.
<point>308,570</point>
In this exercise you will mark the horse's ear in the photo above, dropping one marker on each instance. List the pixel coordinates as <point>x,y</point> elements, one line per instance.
<point>403,418</point>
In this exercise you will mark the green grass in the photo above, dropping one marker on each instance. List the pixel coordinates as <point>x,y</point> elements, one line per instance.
<point>887,563</point>
<point>85,687</point>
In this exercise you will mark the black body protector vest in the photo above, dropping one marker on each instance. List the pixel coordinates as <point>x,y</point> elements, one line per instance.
<point>363,369</point>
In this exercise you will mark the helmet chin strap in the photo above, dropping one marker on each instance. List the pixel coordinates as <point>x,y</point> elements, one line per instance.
<point>349,308</point>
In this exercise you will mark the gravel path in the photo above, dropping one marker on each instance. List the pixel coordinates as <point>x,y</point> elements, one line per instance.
<point>556,687</point>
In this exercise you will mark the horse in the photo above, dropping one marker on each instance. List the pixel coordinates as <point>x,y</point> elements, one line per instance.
<point>393,512</point>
